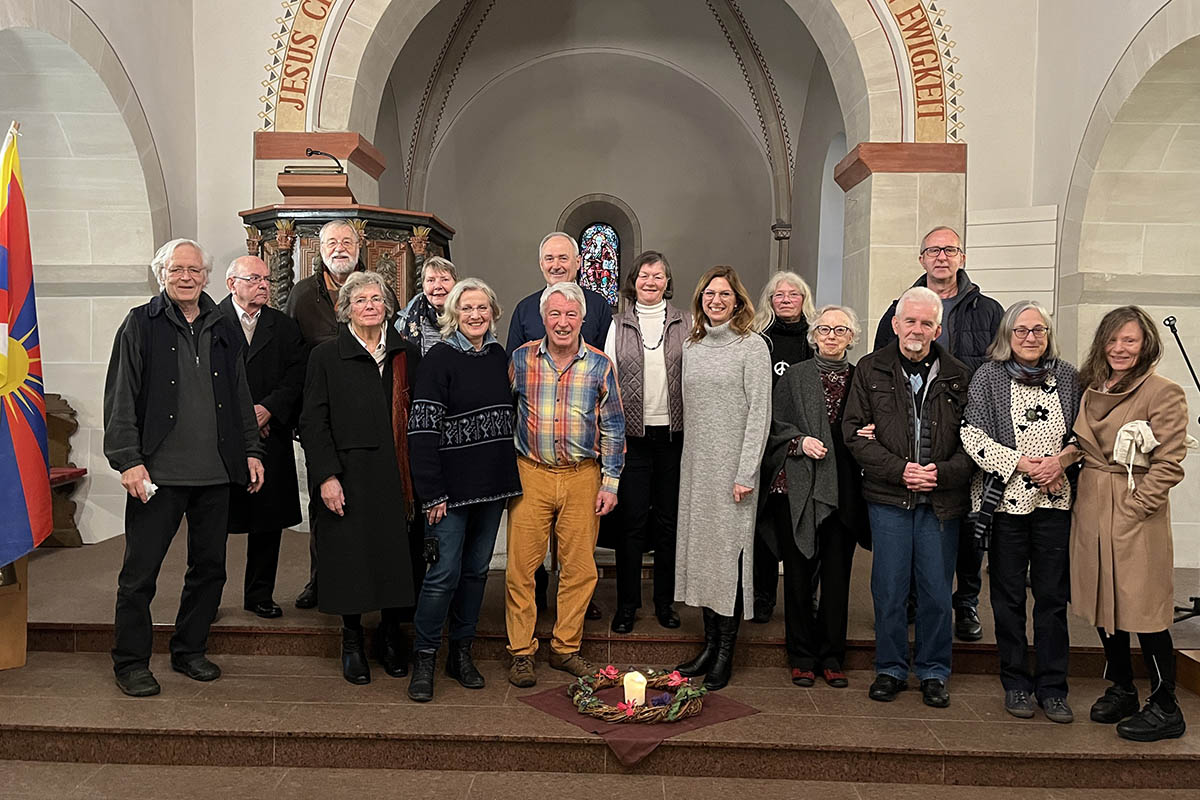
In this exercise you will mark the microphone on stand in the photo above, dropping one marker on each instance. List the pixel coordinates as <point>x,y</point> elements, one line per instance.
<point>310,152</point>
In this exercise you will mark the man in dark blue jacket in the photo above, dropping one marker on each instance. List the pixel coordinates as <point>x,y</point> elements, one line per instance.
<point>970,321</point>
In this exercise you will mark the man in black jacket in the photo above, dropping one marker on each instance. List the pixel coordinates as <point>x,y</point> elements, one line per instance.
<point>970,319</point>
<point>179,427</point>
<point>916,480</point>
<point>275,357</point>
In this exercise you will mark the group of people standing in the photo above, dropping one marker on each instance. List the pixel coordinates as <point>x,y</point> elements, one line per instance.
<point>725,437</point>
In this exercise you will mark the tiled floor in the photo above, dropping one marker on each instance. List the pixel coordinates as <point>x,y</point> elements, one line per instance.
<point>78,585</point>
<point>29,780</point>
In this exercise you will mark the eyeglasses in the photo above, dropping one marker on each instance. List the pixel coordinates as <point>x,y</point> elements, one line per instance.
<point>1039,332</point>
<point>374,300</point>
<point>341,244</point>
<point>788,296</point>
<point>709,294</point>
<point>950,251</point>
<point>252,278</point>
<point>839,330</point>
<point>194,272</point>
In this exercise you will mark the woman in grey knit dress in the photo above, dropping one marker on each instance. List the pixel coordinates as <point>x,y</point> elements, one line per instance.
<point>727,403</point>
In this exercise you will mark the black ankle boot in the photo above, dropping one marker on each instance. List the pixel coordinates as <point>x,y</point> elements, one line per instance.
<point>420,686</point>
<point>721,668</point>
<point>354,659</point>
<point>699,665</point>
<point>461,667</point>
<point>391,650</point>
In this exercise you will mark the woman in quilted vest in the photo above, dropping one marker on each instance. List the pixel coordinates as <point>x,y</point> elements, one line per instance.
<point>645,342</point>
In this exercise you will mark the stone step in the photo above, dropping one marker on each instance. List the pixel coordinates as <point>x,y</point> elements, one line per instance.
<point>283,712</point>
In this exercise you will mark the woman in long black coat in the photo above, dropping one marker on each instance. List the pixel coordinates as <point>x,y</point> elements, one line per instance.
<point>354,430</point>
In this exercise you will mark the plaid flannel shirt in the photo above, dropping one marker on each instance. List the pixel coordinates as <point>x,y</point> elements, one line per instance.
<point>564,417</point>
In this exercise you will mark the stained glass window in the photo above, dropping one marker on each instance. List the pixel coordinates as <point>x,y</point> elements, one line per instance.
<point>601,268</point>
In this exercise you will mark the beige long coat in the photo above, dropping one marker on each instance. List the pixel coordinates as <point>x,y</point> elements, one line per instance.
<point>1122,559</point>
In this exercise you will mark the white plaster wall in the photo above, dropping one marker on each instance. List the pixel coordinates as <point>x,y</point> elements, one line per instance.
<point>682,160</point>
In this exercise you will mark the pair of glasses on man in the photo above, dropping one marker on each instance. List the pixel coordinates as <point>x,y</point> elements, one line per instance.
<point>193,272</point>
<point>1038,332</point>
<point>251,279</point>
<point>838,330</point>
<point>950,251</point>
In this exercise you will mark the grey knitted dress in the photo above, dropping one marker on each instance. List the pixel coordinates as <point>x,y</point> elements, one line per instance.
<point>727,405</point>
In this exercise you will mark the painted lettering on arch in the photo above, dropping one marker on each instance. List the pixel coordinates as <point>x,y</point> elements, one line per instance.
<point>925,66</point>
<point>296,72</point>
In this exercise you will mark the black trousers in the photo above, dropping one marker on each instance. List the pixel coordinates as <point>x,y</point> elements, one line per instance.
<point>262,563</point>
<point>149,529</point>
<point>968,571</point>
<point>314,498</point>
<point>1034,544</point>
<point>815,637</point>
<point>648,504</point>
<point>766,573</point>
<point>1159,654</point>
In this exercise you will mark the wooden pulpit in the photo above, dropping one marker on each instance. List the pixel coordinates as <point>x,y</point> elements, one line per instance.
<point>14,616</point>
<point>395,242</point>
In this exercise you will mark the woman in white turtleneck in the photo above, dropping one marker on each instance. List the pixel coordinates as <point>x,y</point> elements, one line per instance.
<point>645,343</point>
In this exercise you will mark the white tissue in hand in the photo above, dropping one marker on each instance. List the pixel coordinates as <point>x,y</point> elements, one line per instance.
<point>150,488</point>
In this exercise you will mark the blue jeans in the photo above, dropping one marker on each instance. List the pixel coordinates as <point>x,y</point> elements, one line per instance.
<point>907,544</point>
<point>454,585</point>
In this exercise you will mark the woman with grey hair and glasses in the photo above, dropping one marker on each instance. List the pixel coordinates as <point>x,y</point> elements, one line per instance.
<point>1021,406</point>
<point>354,428</point>
<point>418,321</point>
<point>813,514</point>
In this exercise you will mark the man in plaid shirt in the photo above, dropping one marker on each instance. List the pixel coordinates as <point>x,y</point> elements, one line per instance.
<point>570,440</point>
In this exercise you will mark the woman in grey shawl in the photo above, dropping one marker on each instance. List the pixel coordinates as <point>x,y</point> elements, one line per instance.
<point>813,510</point>
<point>1020,409</point>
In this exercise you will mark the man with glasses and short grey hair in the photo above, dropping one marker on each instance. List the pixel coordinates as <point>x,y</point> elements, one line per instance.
<point>179,426</point>
<point>275,358</point>
<point>970,319</point>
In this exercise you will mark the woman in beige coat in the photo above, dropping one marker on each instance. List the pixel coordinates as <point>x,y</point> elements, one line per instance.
<point>1121,554</point>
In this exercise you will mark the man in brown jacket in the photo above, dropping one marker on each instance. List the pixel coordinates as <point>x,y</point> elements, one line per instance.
<point>909,397</point>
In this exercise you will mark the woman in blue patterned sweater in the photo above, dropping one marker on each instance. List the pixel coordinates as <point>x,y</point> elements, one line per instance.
<point>464,468</point>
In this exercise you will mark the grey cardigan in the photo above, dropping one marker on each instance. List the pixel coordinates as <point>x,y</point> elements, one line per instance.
<point>799,410</point>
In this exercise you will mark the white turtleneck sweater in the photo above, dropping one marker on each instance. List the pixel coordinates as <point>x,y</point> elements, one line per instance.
<point>656,400</point>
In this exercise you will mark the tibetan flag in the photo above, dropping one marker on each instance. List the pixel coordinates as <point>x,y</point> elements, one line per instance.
<point>25,518</point>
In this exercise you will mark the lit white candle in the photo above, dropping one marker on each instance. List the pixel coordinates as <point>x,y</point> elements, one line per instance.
<point>635,688</point>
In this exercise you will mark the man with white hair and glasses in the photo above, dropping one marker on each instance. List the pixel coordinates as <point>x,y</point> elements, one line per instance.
<point>180,428</point>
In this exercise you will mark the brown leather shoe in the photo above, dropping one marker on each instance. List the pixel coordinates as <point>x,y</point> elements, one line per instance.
<point>573,663</point>
<point>521,672</point>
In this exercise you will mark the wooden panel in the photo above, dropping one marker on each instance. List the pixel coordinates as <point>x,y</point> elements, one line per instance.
<point>990,216</point>
<point>1000,257</point>
<point>868,158</point>
<point>1019,233</point>
<point>14,616</point>
<point>345,146</point>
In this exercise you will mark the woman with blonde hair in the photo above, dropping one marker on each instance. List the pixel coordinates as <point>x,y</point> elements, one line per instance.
<point>727,405</point>
<point>464,468</point>
<point>784,310</point>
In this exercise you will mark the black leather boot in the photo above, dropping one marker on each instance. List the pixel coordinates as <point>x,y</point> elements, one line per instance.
<point>700,664</point>
<point>354,658</point>
<point>722,664</point>
<point>461,667</point>
<point>420,686</point>
<point>391,650</point>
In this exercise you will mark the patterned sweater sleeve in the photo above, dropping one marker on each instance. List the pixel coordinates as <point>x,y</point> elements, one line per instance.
<point>990,455</point>
<point>426,424</point>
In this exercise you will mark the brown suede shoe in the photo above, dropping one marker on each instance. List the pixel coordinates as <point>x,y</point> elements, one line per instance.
<point>521,672</point>
<point>573,663</point>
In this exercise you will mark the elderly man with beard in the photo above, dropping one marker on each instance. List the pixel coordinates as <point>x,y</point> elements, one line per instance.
<point>312,304</point>
<point>916,483</point>
<point>274,357</point>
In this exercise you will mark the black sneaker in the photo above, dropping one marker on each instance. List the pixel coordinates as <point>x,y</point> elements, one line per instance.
<point>1018,703</point>
<point>885,688</point>
<point>933,693</point>
<point>966,624</point>
<point>1115,705</point>
<point>1057,710</point>
<point>198,668</point>
<point>1152,724</point>
<point>138,682</point>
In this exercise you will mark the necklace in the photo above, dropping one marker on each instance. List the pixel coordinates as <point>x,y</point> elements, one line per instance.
<point>662,335</point>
